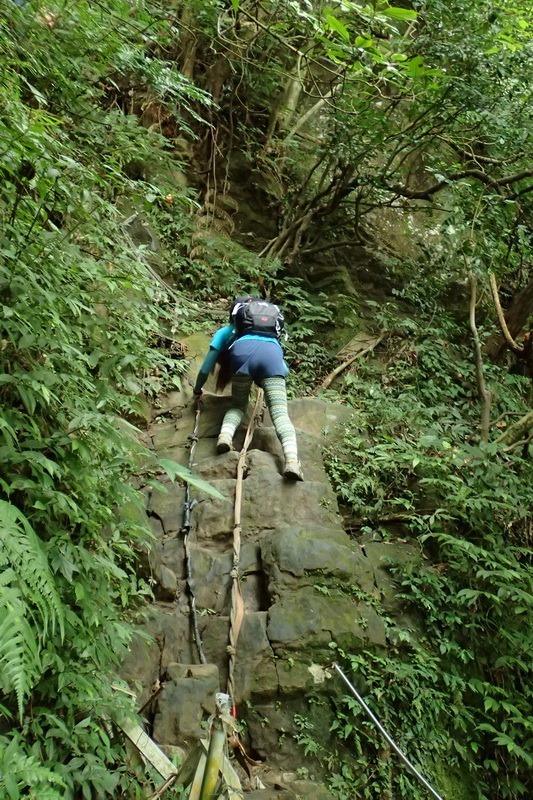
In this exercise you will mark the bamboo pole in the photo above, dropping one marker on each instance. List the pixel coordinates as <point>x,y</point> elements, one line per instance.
<point>213,765</point>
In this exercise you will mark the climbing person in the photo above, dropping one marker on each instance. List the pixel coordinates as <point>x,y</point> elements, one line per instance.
<point>247,351</point>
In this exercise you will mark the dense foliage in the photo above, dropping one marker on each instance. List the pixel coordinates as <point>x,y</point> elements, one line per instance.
<point>415,469</point>
<point>309,130</point>
<point>80,317</point>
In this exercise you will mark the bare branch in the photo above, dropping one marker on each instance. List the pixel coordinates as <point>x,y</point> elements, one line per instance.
<point>518,430</point>
<point>495,183</point>
<point>501,318</point>
<point>518,176</point>
<point>328,380</point>
<point>344,243</point>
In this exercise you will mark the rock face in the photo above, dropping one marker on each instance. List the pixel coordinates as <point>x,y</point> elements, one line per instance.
<point>306,586</point>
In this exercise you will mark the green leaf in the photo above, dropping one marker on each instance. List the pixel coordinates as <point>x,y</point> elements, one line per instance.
<point>336,25</point>
<point>28,398</point>
<point>175,470</point>
<point>399,13</point>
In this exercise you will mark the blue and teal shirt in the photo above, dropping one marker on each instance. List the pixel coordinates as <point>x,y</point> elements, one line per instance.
<point>222,340</point>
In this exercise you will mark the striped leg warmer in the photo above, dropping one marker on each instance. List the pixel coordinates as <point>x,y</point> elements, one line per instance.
<point>240,393</point>
<point>276,398</point>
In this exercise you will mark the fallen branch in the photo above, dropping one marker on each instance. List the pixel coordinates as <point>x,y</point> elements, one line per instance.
<point>328,380</point>
<point>518,430</point>
<point>520,443</point>
<point>162,789</point>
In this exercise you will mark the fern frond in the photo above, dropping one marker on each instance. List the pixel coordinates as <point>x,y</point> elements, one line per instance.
<point>19,649</point>
<point>23,550</point>
<point>20,771</point>
<point>29,603</point>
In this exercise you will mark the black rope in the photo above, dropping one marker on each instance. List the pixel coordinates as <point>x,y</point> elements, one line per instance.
<point>185,530</point>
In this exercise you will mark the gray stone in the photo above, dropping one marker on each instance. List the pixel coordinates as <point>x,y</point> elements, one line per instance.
<point>266,450</point>
<point>318,418</point>
<point>157,527</point>
<point>141,666</point>
<point>305,619</point>
<point>297,790</point>
<point>176,754</point>
<point>183,704</point>
<point>167,506</point>
<point>271,503</point>
<point>168,584</point>
<point>252,652</point>
<point>213,518</point>
<point>304,584</point>
<point>379,556</point>
<point>325,551</point>
<point>215,638</point>
<point>294,676</point>
<point>310,790</point>
<point>206,672</point>
<point>274,726</point>
<point>212,467</point>
<point>211,579</point>
<point>176,638</point>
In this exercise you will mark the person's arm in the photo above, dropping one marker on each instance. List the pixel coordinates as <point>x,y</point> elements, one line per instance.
<point>205,370</point>
<point>222,339</point>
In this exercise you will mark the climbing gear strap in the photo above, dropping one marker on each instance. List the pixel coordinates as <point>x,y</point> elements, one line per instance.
<point>185,530</point>
<point>237,605</point>
<point>384,733</point>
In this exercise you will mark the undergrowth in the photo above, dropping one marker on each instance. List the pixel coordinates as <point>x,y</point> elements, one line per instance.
<point>81,318</point>
<point>454,685</point>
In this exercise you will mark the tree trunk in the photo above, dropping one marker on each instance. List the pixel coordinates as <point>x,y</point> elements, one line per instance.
<point>285,106</point>
<point>516,317</point>
<point>189,45</point>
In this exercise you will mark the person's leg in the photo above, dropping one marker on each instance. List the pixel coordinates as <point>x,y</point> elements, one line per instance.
<point>276,398</point>
<point>240,392</point>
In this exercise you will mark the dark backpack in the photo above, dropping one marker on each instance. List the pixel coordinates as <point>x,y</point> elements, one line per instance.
<point>258,317</point>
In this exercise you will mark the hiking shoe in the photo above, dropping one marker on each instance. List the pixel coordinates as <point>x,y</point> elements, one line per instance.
<point>224,443</point>
<point>293,470</point>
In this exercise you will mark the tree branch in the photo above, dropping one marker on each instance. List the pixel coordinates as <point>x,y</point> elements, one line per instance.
<point>518,176</point>
<point>501,318</point>
<point>495,183</point>
<point>523,191</point>
<point>518,431</point>
<point>320,249</point>
<point>473,156</point>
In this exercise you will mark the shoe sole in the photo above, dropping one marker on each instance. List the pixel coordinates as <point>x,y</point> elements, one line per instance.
<point>223,447</point>
<point>293,475</point>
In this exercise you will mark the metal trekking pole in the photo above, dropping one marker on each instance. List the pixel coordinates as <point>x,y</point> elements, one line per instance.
<point>185,530</point>
<point>386,735</point>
